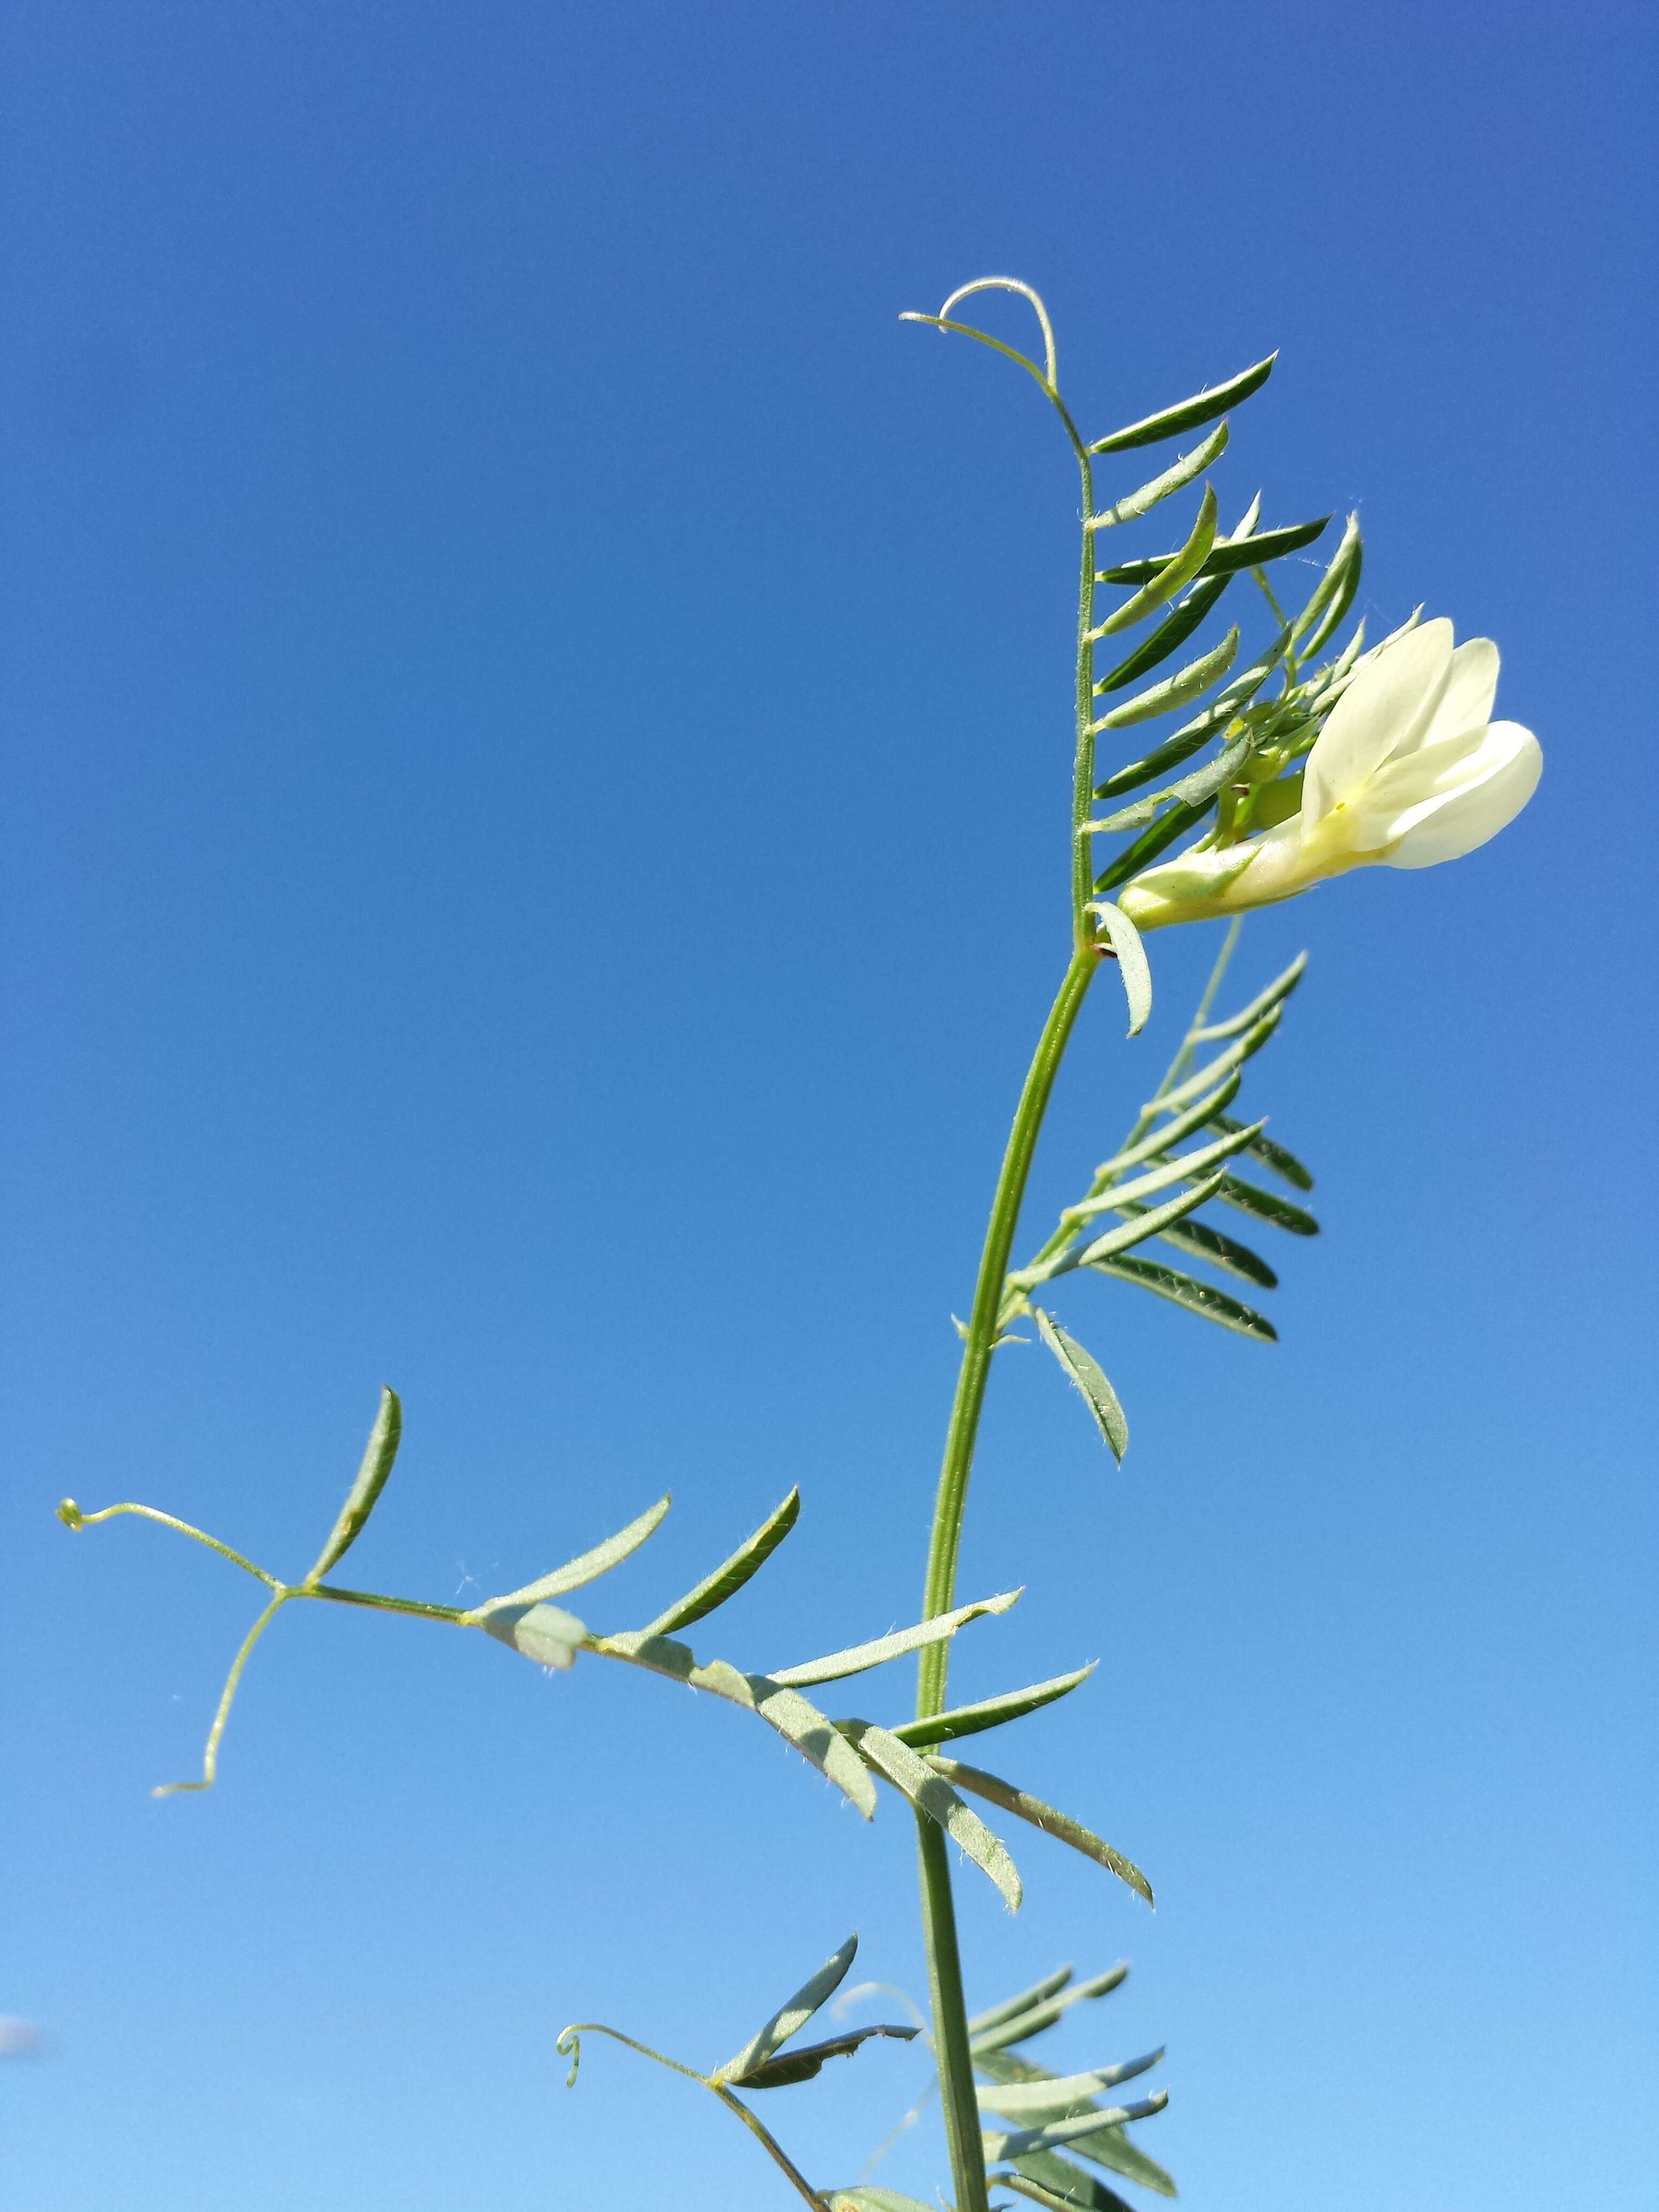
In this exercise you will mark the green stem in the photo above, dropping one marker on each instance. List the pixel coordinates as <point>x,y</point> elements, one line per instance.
<point>951,2041</point>
<point>1066,1232</point>
<point>951,1504</point>
<point>1083,779</point>
<point>797,2178</point>
<point>411,1604</point>
<point>227,1697</point>
<point>570,2043</point>
<point>938,1904</point>
<point>200,1535</point>
<point>957,2096</point>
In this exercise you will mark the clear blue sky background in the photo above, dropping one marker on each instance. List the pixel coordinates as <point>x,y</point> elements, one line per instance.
<point>536,744</point>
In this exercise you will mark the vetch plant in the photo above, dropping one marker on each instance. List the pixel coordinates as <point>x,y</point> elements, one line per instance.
<point>1286,762</point>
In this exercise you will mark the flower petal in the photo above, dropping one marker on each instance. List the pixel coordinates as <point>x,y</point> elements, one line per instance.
<point>1383,711</point>
<point>1445,827</point>
<point>1199,884</point>
<point>1407,787</point>
<point>1471,686</point>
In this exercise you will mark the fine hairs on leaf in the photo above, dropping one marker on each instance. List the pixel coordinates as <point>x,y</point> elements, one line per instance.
<point>1247,704</point>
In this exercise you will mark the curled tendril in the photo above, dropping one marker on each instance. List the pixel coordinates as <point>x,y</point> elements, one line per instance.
<point>1050,365</point>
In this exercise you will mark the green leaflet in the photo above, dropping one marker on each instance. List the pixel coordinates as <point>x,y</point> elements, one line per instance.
<point>1278,990</point>
<point>1176,477</point>
<point>1181,746</point>
<point>1073,2186</point>
<point>1132,962</point>
<point>1202,784</point>
<point>1333,595</point>
<point>1147,847</point>
<point>995,2014</point>
<point>800,1723</point>
<point>1197,1116</point>
<point>919,1780</point>
<point>1140,1226</point>
<point>1113,2149</point>
<point>1082,2194</point>
<point>731,1574</point>
<point>1174,631</point>
<point>1049,1819</point>
<point>1238,551</point>
<point>792,2066</point>
<point>587,1568</point>
<point>1232,700</point>
<point>1241,1049</point>
<point>1186,1291</point>
<point>791,2016</point>
<point>1179,690</point>
<point>1095,1390</point>
<point>1174,573</point>
<point>1189,414</point>
<point>991,1712</point>
<point>860,1657</point>
<point>1221,1251</point>
<point>1274,1156</point>
<point>794,1717</point>
<point>1187,1168</point>
<point>546,1633</point>
<point>381,1451</point>
<point>1026,2141</point>
<point>1059,2096</point>
<point>875,2200</point>
<point>989,2043</point>
<point>1266,1205</point>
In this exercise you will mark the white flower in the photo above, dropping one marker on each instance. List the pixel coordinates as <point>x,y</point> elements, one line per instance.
<point>1408,771</point>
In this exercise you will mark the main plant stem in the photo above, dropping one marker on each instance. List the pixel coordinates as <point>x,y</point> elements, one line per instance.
<point>951,2040</point>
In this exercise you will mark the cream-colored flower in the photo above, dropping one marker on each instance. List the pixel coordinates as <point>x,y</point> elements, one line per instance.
<point>1409,771</point>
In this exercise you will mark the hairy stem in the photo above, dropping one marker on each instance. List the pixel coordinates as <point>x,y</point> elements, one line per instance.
<point>413,1606</point>
<point>226,1696</point>
<point>951,1504</point>
<point>799,2180</point>
<point>172,1521</point>
<point>957,2096</point>
<point>1083,779</point>
<point>937,1903</point>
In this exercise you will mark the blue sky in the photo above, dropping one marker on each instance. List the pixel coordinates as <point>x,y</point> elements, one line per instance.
<point>534,805</point>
